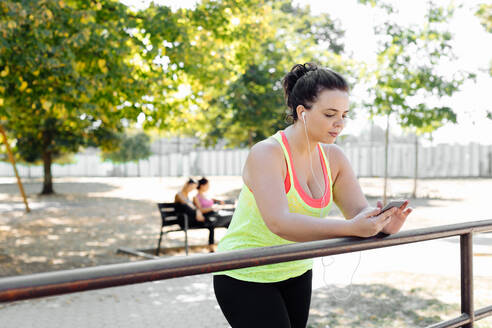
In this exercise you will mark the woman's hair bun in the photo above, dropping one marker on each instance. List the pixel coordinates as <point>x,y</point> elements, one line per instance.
<point>202,182</point>
<point>304,82</point>
<point>297,71</point>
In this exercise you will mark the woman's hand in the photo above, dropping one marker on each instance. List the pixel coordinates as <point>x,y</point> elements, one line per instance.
<point>199,216</point>
<point>219,201</point>
<point>371,221</point>
<point>397,219</point>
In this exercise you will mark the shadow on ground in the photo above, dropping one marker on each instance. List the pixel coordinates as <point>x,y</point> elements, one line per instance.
<point>82,225</point>
<point>78,233</point>
<point>34,187</point>
<point>376,305</point>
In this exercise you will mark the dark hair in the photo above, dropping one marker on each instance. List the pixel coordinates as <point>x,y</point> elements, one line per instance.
<point>304,82</point>
<point>201,182</point>
<point>190,181</point>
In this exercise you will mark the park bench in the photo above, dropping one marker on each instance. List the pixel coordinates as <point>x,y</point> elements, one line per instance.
<point>172,215</point>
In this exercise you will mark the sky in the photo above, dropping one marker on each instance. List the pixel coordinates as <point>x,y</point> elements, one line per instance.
<point>472,45</point>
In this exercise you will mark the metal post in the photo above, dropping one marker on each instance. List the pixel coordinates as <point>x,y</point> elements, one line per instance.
<point>12,160</point>
<point>186,233</point>
<point>159,242</point>
<point>466,250</point>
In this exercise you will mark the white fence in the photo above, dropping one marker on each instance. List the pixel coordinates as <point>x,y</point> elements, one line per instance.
<point>444,160</point>
<point>471,160</point>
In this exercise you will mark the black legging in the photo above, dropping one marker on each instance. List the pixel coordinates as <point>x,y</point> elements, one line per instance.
<point>283,304</point>
<point>193,222</point>
<point>214,220</point>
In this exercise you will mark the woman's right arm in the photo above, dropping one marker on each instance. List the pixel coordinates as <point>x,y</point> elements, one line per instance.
<point>185,201</point>
<point>263,174</point>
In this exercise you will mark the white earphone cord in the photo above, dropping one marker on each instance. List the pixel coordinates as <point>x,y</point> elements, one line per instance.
<point>321,215</point>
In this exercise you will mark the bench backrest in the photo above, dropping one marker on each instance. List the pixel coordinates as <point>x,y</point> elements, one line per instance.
<point>169,214</point>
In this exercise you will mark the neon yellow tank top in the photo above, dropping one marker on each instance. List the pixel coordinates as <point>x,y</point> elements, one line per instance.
<point>248,230</point>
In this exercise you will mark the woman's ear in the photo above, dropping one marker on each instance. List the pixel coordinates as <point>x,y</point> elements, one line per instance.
<point>299,110</point>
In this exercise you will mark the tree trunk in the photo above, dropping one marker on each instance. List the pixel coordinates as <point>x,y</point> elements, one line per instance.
<point>138,168</point>
<point>386,159</point>
<point>48,179</point>
<point>416,173</point>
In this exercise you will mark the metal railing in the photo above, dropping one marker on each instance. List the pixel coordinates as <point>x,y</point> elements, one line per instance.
<point>70,281</point>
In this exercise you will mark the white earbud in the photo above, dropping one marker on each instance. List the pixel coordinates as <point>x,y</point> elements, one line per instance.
<point>304,117</point>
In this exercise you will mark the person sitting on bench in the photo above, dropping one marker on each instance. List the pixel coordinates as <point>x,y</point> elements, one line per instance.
<point>206,205</point>
<point>195,216</point>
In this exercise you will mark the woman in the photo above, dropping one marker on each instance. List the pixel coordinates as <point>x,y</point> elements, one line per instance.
<point>195,216</point>
<point>206,205</point>
<point>209,209</point>
<point>291,180</point>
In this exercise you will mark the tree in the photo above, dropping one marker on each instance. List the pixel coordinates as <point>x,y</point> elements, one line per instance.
<point>407,79</point>
<point>203,50</point>
<point>132,148</point>
<point>252,107</point>
<point>65,68</point>
<point>484,12</point>
<point>75,72</point>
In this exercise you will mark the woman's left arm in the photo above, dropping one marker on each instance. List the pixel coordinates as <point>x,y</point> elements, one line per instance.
<point>219,201</point>
<point>348,194</point>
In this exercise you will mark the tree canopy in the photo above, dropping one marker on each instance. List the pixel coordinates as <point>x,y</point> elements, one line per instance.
<point>252,107</point>
<point>76,73</point>
<point>65,70</point>
<point>407,77</point>
<point>407,80</point>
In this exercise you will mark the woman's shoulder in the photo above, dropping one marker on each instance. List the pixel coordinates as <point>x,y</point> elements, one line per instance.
<point>333,150</point>
<point>267,148</point>
<point>265,156</point>
<point>180,197</point>
<point>336,157</point>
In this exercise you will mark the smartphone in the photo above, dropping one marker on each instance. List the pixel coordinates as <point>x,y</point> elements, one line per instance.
<point>393,203</point>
